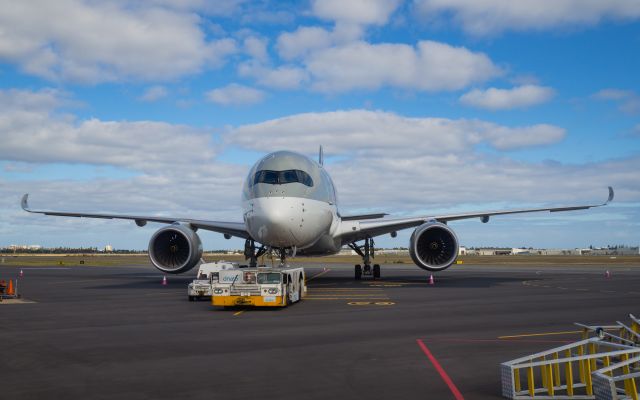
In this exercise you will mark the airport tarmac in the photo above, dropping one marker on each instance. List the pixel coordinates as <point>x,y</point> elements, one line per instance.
<point>116,332</point>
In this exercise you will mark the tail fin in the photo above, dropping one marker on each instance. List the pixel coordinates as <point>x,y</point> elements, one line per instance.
<point>321,156</point>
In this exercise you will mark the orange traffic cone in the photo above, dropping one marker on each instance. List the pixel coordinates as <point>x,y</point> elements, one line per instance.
<point>10,290</point>
<point>164,281</point>
<point>431,281</point>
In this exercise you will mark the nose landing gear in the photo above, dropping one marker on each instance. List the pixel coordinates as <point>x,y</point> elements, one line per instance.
<point>367,252</point>
<point>251,254</point>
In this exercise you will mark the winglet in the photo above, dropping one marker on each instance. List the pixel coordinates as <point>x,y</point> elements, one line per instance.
<point>25,202</point>
<point>321,156</point>
<point>611,194</point>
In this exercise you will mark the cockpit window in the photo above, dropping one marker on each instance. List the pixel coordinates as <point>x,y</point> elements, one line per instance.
<point>282,177</point>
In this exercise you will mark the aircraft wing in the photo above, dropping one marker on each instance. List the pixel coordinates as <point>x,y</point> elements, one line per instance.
<point>354,230</point>
<point>237,229</point>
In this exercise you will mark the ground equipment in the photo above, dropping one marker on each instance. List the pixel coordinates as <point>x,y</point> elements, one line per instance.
<point>260,287</point>
<point>207,275</point>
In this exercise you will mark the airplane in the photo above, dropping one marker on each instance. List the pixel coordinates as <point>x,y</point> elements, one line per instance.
<point>290,208</point>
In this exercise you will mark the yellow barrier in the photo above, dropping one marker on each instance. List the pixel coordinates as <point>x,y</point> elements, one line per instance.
<point>553,370</point>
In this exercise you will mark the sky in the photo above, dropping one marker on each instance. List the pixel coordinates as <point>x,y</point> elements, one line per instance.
<point>423,107</point>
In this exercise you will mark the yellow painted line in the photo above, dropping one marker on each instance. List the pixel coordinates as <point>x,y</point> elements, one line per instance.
<point>346,294</point>
<point>346,298</point>
<point>238,313</point>
<point>346,290</point>
<point>538,334</point>
<point>318,274</point>
<point>371,303</point>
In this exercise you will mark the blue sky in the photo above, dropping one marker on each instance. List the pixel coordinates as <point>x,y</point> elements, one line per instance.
<point>423,106</point>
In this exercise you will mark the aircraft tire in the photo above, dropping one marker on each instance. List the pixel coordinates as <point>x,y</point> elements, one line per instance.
<point>358,272</point>
<point>376,271</point>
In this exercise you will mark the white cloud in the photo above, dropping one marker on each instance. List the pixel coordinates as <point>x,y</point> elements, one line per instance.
<point>235,94</point>
<point>628,101</point>
<point>172,165</point>
<point>362,131</point>
<point>256,47</point>
<point>154,93</point>
<point>506,99</point>
<point>375,12</point>
<point>481,17</point>
<point>429,66</point>
<point>301,42</point>
<point>93,42</point>
<point>613,94</point>
<point>32,131</point>
<point>282,77</point>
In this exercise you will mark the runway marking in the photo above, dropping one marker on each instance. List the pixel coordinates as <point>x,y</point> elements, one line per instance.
<point>347,294</point>
<point>441,371</point>
<point>371,303</point>
<point>318,274</point>
<point>426,281</point>
<point>97,280</point>
<point>17,301</point>
<point>238,313</point>
<point>346,289</point>
<point>538,334</point>
<point>345,298</point>
<point>395,285</point>
<point>460,340</point>
<point>47,268</point>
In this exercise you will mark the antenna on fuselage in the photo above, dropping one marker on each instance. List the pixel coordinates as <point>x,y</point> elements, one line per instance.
<point>321,156</point>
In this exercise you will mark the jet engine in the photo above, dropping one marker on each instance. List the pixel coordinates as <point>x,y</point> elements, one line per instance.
<point>433,246</point>
<point>175,249</point>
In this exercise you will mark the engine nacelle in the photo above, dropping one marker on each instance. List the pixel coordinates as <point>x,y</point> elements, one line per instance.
<point>175,249</point>
<point>433,246</point>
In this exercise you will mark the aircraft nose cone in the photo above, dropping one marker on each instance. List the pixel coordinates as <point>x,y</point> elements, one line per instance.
<point>274,222</point>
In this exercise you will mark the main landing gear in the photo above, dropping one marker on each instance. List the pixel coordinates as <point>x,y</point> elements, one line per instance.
<point>365,251</point>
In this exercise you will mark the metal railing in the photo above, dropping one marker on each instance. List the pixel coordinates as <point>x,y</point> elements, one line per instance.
<point>603,366</point>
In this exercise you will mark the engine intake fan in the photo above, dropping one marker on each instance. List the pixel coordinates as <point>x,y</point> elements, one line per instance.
<point>433,246</point>
<point>175,249</point>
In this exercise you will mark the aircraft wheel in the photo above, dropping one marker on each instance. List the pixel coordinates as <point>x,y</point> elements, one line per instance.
<point>358,272</point>
<point>376,271</point>
<point>191,298</point>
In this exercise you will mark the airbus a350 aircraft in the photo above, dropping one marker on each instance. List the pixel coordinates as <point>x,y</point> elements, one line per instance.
<point>290,207</point>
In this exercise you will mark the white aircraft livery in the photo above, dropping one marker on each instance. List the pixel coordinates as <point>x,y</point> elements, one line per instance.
<point>290,208</point>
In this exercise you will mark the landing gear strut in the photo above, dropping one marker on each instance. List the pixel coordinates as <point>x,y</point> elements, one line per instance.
<point>251,254</point>
<point>365,251</point>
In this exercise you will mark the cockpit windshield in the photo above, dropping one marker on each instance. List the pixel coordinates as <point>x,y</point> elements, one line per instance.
<point>282,177</point>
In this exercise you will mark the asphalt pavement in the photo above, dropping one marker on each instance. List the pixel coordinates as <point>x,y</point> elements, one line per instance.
<point>117,332</point>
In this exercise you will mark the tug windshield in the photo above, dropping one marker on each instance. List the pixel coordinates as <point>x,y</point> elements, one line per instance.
<point>269,277</point>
